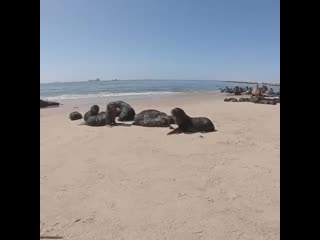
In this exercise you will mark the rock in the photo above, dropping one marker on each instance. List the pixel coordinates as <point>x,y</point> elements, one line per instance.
<point>75,116</point>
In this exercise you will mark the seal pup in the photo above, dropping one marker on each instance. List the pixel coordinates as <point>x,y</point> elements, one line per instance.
<point>94,110</point>
<point>188,124</point>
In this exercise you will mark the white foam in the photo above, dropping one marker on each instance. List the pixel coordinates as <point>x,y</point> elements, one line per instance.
<point>104,94</point>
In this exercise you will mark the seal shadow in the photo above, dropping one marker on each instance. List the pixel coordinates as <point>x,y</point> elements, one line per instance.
<point>199,132</point>
<point>188,133</point>
<point>123,124</point>
<point>50,237</point>
<point>117,125</point>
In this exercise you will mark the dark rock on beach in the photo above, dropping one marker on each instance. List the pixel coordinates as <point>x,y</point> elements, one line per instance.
<point>75,116</point>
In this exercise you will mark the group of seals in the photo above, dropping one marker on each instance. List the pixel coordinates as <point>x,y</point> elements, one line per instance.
<point>263,100</point>
<point>264,91</point>
<point>146,118</point>
<point>255,99</point>
<point>237,90</point>
<point>186,124</point>
<point>95,118</point>
<point>231,100</point>
<point>256,91</point>
<point>261,95</point>
<point>44,104</point>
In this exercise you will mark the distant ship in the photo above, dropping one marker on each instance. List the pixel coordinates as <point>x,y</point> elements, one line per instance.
<point>96,80</point>
<point>115,79</point>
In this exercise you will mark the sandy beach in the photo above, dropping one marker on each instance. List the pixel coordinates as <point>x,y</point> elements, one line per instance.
<point>134,183</point>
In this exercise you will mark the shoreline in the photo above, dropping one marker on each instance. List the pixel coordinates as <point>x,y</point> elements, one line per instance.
<point>181,97</point>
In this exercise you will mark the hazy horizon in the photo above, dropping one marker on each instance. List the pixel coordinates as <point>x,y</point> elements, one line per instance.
<point>79,81</point>
<point>226,40</point>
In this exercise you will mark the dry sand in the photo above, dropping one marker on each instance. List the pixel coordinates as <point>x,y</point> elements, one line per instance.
<point>138,183</point>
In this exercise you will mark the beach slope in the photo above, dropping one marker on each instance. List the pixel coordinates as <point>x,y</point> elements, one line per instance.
<point>138,183</point>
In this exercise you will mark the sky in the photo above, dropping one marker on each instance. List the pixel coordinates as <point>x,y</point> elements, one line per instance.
<point>160,39</point>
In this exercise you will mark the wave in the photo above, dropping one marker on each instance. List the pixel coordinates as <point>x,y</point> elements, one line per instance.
<point>103,94</point>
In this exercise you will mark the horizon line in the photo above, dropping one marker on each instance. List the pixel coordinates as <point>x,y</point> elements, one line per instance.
<point>235,81</point>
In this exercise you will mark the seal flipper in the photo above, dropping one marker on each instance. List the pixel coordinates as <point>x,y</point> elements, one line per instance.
<point>175,131</point>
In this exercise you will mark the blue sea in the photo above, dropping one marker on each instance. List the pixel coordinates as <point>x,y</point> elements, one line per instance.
<point>129,88</point>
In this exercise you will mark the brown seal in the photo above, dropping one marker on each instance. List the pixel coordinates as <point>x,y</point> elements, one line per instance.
<point>188,124</point>
<point>152,118</point>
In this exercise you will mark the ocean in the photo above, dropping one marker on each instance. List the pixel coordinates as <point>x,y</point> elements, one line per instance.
<point>129,88</point>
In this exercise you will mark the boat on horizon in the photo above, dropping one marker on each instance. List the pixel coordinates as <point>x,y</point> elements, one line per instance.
<point>95,80</point>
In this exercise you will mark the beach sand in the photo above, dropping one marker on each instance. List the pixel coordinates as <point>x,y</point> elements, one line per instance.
<point>100,183</point>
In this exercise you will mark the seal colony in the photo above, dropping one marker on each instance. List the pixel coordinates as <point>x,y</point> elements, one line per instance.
<point>255,91</point>
<point>262,95</point>
<point>146,118</point>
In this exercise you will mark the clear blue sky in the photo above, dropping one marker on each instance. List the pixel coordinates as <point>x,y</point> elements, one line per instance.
<point>160,39</point>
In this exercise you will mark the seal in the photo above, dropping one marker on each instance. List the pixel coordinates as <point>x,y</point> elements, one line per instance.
<point>44,104</point>
<point>103,118</point>
<point>263,100</point>
<point>237,90</point>
<point>188,124</point>
<point>75,116</point>
<point>255,99</point>
<point>244,99</point>
<point>248,91</point>
<point>124,111</point>
<point>267,101</point>
<point>256,91</point>
<point>97,120</point>
<point>152,118</point>
<point>231,100</point>
<point>94,110</point>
